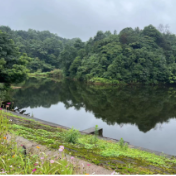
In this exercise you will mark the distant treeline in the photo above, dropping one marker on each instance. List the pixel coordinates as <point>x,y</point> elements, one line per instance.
<point>132,56</point>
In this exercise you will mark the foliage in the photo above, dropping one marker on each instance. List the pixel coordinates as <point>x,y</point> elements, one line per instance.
<point>71,136</point>
<point>57,73</point>
<point>93,139</point>
<point>133,56</point>
<point>122,144</point>
<point>145,56</point>
<point>14,160</point>
<point>103,152</point>
<point>2,93</point>
<point>1,85</point>
<point>97,80</point>
<point>37,65</point>
<point>43,47</point>
<point>12,63</point>
<point>96,133</point>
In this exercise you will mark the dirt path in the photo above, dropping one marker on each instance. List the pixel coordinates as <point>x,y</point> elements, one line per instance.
<point>84,166</point>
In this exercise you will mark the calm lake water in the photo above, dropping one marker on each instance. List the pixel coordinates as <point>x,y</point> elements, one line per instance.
<point>143,116</point>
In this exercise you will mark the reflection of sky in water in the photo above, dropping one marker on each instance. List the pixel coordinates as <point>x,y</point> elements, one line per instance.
<point>159,139</point>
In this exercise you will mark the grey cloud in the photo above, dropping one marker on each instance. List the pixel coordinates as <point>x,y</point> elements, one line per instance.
<point>83,18</point>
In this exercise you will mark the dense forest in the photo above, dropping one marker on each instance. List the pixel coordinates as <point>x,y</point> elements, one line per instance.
<point>12,63</point>
<point>132,56</point>
<point>43,48</point>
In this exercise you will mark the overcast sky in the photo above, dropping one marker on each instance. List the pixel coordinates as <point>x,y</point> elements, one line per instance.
<point>83,18</point>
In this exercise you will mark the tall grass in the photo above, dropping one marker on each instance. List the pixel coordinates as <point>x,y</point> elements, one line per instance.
<point>15,160</point>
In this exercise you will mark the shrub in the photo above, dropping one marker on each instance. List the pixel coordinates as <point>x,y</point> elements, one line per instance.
<point>94,139</point>
<point>71,136</point>
<point>122,144</point>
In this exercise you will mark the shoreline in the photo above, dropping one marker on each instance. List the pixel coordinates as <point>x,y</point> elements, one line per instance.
<point>101,81</point>
<point>105,152</point>
<point>100,137</point>
<point>101,84</point>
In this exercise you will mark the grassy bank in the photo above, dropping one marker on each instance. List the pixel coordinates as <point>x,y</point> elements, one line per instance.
<point>55,73</point>
<point>111,155</point>
<point>14,159</point>
<point>102,81</point>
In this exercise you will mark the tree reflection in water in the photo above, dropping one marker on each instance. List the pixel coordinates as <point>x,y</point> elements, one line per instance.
<point>144,106</point>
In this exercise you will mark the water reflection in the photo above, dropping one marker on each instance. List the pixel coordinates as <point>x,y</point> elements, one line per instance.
<point>144,107</point>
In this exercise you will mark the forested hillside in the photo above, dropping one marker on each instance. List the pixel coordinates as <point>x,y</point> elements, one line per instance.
<point>43,47</point>
<point>132,56</point>
<point>13,64</point>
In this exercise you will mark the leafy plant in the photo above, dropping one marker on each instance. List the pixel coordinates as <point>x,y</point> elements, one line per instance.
<point>71,136</point>
<point>94,138</point>
<point>96,134</point>
<point>125,146</point>
<point>122,144</point>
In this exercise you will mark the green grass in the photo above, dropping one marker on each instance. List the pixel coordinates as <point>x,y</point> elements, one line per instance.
<point>115,156</point>
<point>13,159</point>
<point>98,152</point>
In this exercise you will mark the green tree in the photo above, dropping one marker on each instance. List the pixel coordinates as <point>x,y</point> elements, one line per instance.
<point>13,66</point>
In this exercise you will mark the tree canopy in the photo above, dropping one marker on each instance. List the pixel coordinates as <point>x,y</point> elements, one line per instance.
<point>133,56</point>
<point>42,46</point>
<point>12,64</point>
